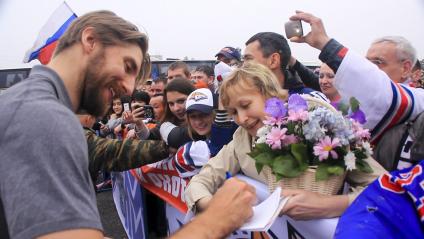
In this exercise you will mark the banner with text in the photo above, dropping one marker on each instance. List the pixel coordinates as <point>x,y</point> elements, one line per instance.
<point>162,179</point>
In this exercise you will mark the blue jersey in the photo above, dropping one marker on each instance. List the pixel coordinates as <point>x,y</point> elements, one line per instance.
<point>390,207</point>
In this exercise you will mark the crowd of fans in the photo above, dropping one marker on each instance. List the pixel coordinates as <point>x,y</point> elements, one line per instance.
<point>219,112</point>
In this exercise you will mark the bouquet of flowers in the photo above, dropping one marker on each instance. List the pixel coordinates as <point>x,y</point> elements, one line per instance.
<point>304,133</point>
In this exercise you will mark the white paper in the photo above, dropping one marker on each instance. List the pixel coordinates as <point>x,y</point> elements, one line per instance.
<point>266,212</point>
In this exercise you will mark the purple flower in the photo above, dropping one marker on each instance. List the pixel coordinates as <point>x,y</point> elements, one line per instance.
<point>358,116</point>
<point>297,103</point>
<point>275,107</point>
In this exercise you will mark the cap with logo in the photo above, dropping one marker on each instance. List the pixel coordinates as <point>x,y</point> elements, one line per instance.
<point>229,52</point>
<point>200,100</point>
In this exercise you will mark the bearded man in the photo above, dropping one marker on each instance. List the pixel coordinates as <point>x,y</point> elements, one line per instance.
<point>45,187</point>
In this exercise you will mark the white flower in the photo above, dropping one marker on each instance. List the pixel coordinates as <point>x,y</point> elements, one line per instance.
<point>261,139</point>
<point>263,131</point>
<point>350,161</point>
<point>367,147</point>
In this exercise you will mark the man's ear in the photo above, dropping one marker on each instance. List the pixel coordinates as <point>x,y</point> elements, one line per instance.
<point>210,80</point>
<point>88,40</point>
<point>406,69</point>
<point>274,61</point>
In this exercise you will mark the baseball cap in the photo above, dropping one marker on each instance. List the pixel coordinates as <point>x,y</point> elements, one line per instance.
<point>200,100</point>
<point>229,52</point>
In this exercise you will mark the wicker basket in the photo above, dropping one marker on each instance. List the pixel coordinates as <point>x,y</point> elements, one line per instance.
<point>315,102</point>
<point>305,181</point>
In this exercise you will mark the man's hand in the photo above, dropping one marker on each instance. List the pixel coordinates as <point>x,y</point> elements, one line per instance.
<point>231,205</point>
<point>227,211</point>
<point>317,37</point>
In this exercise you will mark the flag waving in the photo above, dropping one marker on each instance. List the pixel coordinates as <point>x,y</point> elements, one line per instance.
<point>50,33</point>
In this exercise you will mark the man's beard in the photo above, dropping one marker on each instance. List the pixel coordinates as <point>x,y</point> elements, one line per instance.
<point>91,99</point>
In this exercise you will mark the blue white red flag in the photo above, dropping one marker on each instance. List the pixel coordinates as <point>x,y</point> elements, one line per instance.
<point>50,33</point>
<point>390,207</point>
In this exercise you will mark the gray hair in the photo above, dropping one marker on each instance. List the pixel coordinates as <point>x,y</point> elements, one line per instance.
<point>404,48</point>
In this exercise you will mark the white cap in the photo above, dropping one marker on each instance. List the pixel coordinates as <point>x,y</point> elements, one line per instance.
<point>200,100</point>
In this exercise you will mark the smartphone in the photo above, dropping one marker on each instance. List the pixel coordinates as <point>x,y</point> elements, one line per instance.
<point>293,29</point>
<point>127,107</point>
<point>135,106</point>
<point>148,112</point>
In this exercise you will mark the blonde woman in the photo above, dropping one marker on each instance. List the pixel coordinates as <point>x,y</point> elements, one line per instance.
<point>243,94</point>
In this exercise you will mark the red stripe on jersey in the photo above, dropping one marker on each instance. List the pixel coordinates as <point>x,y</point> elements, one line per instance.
<point>342,52</point>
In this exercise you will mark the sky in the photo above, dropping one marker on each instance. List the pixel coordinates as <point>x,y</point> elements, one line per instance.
<point>198,29</point>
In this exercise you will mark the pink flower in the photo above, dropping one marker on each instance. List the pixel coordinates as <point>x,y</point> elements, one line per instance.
<point>274,121</point>
<point>325,147</point>
<point>290,139</point>
<point>298,115</point>
<point>360,132</point>
<point>275,137</point>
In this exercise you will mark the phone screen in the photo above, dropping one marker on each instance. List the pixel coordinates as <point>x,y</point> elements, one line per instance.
<point>127,107</point>
<point>148,112</point>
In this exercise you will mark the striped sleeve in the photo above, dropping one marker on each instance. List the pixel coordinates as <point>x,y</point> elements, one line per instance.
<point>400,110</point>
<point>191,157</point>
<point>384,102</point>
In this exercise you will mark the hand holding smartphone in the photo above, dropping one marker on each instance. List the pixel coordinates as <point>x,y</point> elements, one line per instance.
<point>148,112</point>
<point>145,111</point>
<point>127,107</point>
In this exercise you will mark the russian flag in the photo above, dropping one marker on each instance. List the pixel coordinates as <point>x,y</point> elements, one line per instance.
<point>50,33</point>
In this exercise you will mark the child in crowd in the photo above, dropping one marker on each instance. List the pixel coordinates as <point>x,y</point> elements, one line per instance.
<point>115,119</point>
<point>107,131</point>
<point>139,99</point>
<point>244,94</point>
<point>217,129</point>
<point>158,104</point>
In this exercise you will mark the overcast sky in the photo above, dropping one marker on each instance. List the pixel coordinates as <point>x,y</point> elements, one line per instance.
<point>198,29</point>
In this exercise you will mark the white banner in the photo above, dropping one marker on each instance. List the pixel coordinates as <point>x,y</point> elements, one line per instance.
<point>284,227</point>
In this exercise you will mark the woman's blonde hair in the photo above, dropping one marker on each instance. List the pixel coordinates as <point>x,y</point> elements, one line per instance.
<point>252,75</point>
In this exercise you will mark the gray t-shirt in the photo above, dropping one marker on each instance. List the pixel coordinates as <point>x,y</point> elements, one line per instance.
<point>45,185</point>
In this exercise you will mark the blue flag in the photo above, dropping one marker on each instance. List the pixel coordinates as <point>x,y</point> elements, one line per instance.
<point>391,207</point>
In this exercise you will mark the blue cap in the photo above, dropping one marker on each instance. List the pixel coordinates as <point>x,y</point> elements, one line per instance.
<point>229,52</point>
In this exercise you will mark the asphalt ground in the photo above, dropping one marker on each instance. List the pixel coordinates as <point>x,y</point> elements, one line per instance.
<point>112,225</point>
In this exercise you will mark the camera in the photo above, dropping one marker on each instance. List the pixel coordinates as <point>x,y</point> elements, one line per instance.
<point>148,112</point>
<point>293,29</point>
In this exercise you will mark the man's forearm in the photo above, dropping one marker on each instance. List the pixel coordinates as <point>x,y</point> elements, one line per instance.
<point>203,226</point>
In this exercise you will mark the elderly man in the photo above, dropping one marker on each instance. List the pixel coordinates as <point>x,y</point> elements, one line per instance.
<point>394,55</point>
